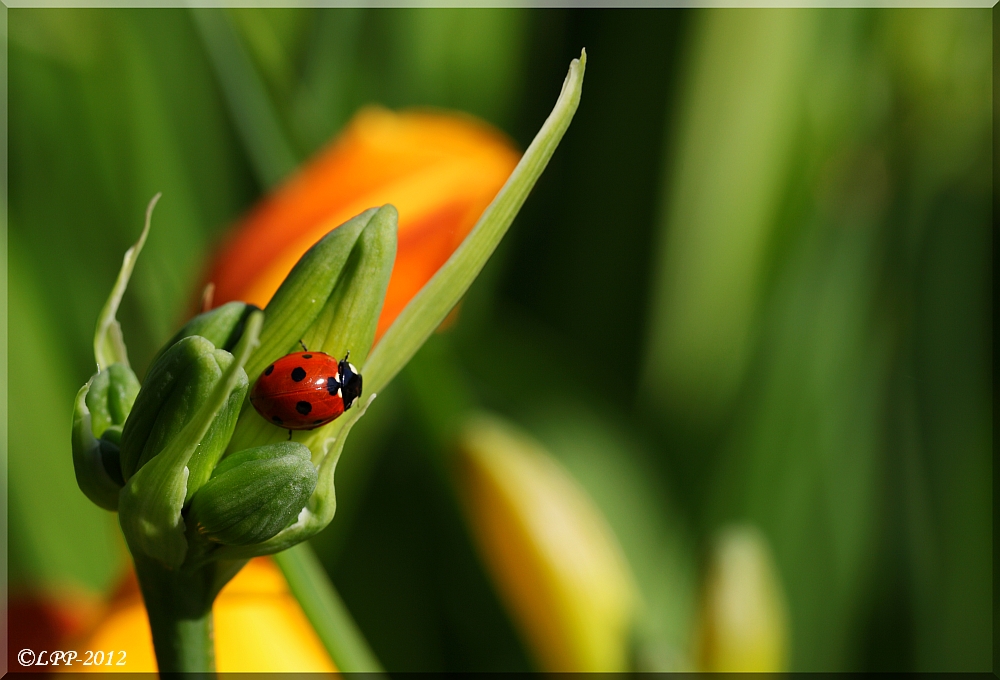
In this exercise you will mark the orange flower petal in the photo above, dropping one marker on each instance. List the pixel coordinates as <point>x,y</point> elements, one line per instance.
<point>439,170</point>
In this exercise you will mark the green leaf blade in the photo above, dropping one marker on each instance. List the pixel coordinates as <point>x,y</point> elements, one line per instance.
<point>431,305</point>
<point>109,346</point>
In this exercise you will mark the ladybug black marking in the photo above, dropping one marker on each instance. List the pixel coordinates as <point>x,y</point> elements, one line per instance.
<point>267,371</point>
<point>298,374</point>
<point>304,407</point>
<point>350,382</point>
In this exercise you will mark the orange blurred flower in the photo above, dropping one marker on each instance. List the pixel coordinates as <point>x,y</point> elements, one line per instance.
<point>259,627</point>
<point>440,170</point>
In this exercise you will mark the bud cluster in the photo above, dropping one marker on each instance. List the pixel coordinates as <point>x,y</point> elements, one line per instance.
<point>194,473</point>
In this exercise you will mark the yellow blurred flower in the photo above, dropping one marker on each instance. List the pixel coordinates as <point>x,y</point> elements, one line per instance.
<point>554,558</point>
<point>259,627</point>
<point>743,627</point>
<point>439,170</point>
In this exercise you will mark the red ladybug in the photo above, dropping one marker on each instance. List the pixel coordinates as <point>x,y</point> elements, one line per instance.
<point>305,390</point>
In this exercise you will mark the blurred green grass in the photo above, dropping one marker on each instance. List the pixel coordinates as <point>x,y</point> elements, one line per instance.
<point>752,285</point>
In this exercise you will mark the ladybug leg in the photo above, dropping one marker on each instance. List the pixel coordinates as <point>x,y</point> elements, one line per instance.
<point>289,435</point>
<point>304,348</point>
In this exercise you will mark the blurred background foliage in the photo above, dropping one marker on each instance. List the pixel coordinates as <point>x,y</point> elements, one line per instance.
<point>751,288</point>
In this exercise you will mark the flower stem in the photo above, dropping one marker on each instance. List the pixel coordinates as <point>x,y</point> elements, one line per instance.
<point>179,604</point>
<point>326,611</point>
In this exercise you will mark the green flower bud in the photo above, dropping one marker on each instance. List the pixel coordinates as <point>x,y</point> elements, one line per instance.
<point>254,494</point>
<point>101,407</point>
<point>221,326</point>
<point>347,321</point>
<point>177,386</point>
<point>350,317</point>
<point>321,290</point>
<point>110,398</point>
<point>196,427</point>
<point>305,291</point>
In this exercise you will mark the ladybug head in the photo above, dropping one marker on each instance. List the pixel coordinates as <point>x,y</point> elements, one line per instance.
<point>350,381</point>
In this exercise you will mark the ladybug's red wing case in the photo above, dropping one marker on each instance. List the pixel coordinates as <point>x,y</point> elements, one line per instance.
<point>299,391</point>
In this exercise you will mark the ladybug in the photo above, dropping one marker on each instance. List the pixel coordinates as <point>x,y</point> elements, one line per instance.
<point>305,390</point>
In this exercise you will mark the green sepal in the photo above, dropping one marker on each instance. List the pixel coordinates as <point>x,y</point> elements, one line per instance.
<point>221,326</point>
<point>254,494</point>
<point>151,503</point>
<point>174,391</point>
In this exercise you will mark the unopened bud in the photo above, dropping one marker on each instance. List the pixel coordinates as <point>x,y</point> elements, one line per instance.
<point>100,410</point>
<point>222,326</point>
<point>254,494</point>
<point>176,387</point>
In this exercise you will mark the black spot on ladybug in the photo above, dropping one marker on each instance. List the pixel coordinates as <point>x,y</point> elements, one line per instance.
<point>298,374</point>
<point>332,385</point>
<point>267,371</point>
<point>317,422</point>
<point>277,419</point>
<point>307,356</point>
<point>304,407</point>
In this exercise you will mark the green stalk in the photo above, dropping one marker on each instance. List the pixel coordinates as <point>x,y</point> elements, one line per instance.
<point>179,604</point>
<point>326,611</point>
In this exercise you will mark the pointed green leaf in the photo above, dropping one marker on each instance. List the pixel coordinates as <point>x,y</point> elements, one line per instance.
<point>109,346</point>
<point>431,305</point>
